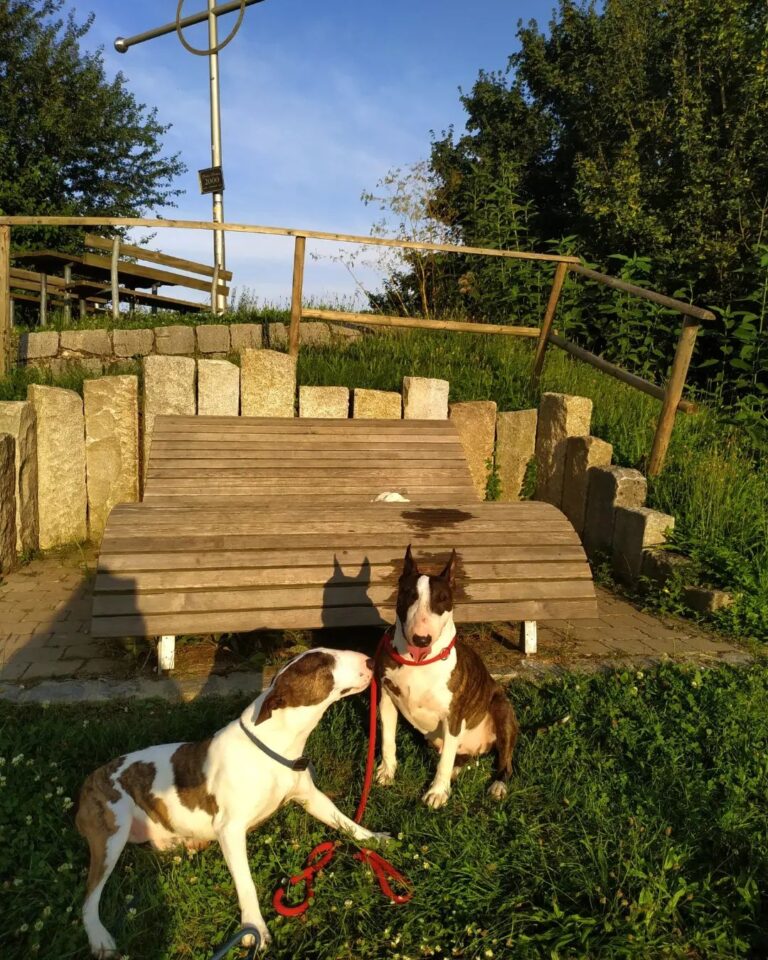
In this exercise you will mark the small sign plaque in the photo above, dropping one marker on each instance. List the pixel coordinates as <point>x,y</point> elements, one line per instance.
<point>211,180</point>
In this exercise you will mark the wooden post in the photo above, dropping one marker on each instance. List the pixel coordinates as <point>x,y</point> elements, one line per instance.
<point>672,394</point>
<point>43,300</point>
<point>153,308</point>
<point>5,299</point>
<point>298,287</point>
<point>82,308</point>
<point>67,298</point>
<point>115,279</point>
<point>214,290</point>
<point>546,324</point>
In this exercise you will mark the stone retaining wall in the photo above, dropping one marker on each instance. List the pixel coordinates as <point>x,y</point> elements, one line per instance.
<point>65,461</point>
<point>98,350</point>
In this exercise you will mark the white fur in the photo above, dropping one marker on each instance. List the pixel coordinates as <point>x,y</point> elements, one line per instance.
<point>390,498</point>
<point>248,787</point>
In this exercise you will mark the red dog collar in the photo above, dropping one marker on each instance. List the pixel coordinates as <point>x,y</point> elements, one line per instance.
<point>386,642</point>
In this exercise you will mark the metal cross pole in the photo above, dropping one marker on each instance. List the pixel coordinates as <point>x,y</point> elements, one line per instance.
<point>123,44</point>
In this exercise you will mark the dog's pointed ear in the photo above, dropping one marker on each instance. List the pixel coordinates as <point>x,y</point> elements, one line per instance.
<point>409,564</point>
<point>449,571</point>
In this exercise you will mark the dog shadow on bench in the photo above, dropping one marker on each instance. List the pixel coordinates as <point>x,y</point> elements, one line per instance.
<point>349,590</point>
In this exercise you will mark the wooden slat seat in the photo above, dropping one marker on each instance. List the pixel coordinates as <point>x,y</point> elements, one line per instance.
<point>254,523</point>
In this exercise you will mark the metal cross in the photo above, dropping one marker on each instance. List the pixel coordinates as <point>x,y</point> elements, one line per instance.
<point>123,44</point>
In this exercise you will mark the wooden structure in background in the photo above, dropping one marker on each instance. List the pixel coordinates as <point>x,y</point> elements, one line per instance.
<point>254,523</point>
<point>672,393</point>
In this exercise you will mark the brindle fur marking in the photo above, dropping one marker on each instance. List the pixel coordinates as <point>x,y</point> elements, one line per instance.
<point>94,819</point>
<point>188,763</point>
<point>304,683</point>
<point>137,782</point>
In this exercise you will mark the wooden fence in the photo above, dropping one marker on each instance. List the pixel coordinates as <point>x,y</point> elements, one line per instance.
<point>671,395</point>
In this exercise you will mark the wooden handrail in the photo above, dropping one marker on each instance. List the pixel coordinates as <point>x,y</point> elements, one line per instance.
<point>278,232</point>
<point>686,308</point>
<point>415,323</point>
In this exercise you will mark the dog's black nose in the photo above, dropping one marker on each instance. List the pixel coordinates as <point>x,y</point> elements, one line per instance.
<point>421,641</point>
<point>369,663</point>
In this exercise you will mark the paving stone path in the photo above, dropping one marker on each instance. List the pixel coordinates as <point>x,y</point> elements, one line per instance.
<point>48,654</point>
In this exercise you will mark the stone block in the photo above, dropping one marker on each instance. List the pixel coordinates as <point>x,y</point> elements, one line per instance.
<point>634,529</point>
<point>34,346</point>
<point>169,388</point>
<point>581,454</point>
<point>608,488</point>
<point>94,343</point>
<point>17,417</point>
<point>659,566</point>
<point>560,416</point>
<point>329,403</point>
<point>7,502</point>
<point>515,447</point>
<point>111,446</point>
<point>218,388</point>
<point>212,338</point>
<point>315,333</point>
<point>93,366</point>
<point>61,491</point>
<point>476,424</point>
<point>175,340</point>
<point>277,335</point>
<point>706,599</point>
<point>267,384</point>
<point>133,343</point>
<point>343,335</point>
<point>425,399</point>
<point>244,335</point>
<point>376,405</point>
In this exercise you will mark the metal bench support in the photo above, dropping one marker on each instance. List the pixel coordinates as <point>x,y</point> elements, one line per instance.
<point>528,636</point>
<point>166,653</point>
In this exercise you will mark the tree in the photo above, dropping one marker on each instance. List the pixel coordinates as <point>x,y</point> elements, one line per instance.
<point>638,128</point>
<point>72,142</point>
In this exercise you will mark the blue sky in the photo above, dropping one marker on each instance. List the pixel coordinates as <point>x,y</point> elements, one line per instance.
<point>319,101</point>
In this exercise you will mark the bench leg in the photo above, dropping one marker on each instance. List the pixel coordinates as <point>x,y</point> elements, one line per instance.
<point>528,637</point>
<point>166,653</point>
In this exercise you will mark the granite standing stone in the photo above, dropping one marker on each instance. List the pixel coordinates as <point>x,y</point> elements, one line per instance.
<point>17,417</point>
<point>328,403</point>
<point>267,384</point>
<point>36,346</point>
<point>169,388</point>
<point>376,405</point>
<point>62,499</point>
<point>476,424</point>
<point>111,446</point>
<point>609,487</point>
<point>95,343</point>
<point>560,416</point>
<point>7,502</point>
<point>515,447</point>
<point>581,454</point>
<point>425,398</point>
<point>218,388</point>
<point>634,529</point>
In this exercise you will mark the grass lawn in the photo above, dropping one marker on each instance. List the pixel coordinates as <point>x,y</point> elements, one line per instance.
<point>638,829</point>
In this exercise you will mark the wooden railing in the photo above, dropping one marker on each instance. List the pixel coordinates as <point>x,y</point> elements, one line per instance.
<point>670,395</point>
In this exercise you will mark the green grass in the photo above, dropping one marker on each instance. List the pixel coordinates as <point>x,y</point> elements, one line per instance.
<point>637,830</point>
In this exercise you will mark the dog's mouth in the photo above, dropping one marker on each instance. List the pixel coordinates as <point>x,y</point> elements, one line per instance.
<point>418,651</point>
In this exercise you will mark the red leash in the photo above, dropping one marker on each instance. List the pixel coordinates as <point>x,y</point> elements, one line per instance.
<point>324,852</point>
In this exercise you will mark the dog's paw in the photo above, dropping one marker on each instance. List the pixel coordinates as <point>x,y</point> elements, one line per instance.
<point>106,949</point>
<point>249,939</point>
<point>436,796</point>
<point>498,790</point>
<point>381,837</point>
<point>385,773</point>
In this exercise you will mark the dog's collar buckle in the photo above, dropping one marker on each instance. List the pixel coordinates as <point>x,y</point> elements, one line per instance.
<point>298,766</point>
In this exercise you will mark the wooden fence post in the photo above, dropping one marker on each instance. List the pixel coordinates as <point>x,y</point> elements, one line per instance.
<point>298,287</point>
<point>67,294</point>
<point>672,394</point>
<point>5,300</point>
<point>115,279</point>
<point>43,300</point>
<point>546,324</point>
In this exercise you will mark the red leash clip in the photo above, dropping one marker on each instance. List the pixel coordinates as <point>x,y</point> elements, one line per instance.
<point>320,857</point>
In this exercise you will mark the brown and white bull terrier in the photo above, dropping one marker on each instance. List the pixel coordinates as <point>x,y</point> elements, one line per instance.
<point>452,699</point>
<point>218,789</point>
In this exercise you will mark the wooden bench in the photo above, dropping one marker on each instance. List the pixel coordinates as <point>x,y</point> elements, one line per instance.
<point>267,523</point>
